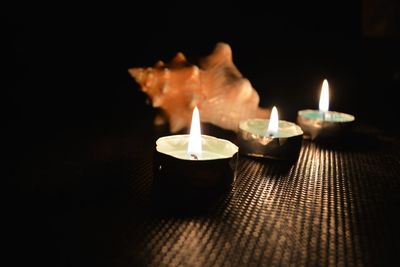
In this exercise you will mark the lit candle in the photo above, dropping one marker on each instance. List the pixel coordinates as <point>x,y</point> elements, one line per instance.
<point>273,124</point>
<point>195,162</point>
<point>273,138</point>
<point>324,99</point>
<point>194,147</point>
<point>322,123</point>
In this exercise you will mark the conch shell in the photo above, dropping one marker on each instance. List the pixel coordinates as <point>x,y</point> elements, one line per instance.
<point>223,96</point>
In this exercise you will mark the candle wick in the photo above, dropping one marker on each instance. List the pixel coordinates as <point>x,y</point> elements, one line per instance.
<point>194,156</point>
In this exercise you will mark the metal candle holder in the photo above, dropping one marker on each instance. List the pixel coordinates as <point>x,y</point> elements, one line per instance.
<point>285,145</point>
<point>194,177</point>
<point>319,125</point>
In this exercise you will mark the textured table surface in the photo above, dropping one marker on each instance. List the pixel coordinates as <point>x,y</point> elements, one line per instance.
<point>335,205</point>
<point>324,210</point>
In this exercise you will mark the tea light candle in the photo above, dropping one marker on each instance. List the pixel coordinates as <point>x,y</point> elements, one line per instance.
<point>195,162</point>
<point>322,123</point>
<point>273,138</point>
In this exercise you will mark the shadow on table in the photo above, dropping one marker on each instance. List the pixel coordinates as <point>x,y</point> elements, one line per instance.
<point>279,167</point>
<point>359,140</point>
<point>183,203</point>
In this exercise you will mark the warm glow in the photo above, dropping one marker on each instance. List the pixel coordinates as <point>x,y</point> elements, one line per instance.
<point>273,122</point>
<point>324,98</point>
<point>194,147</point>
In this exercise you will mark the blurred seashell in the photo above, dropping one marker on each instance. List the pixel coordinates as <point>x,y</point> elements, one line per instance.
<point>223,96</point>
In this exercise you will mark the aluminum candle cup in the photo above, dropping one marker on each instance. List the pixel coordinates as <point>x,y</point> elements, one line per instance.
<point>324,125</point>
<point>253,139</point>
<point>194,175</point>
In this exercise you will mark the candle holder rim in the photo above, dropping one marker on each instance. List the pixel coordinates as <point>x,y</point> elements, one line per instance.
<point>202,135</point>
<point>349,117</point>
<point>234,147</point>
<point>299,131</point>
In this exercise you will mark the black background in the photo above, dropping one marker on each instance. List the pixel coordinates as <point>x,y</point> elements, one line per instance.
<point>66,79</point>
<point>68,65</point>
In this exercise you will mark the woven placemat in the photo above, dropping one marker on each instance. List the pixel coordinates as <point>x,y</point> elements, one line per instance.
<point>328,208</point>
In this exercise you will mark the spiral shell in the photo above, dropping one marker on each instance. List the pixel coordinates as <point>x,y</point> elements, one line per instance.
<point>223,96</point>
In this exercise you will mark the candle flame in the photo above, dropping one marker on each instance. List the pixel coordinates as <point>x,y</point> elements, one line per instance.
<point>194,146</point>
<point>324,98</point>
<point>273,122</point>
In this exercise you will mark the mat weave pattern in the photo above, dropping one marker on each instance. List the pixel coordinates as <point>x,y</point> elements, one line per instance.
<point>326,209</point>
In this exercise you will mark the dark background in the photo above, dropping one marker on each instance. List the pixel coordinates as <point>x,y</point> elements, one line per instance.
<point>66,89</point>
<point>68,66</point>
